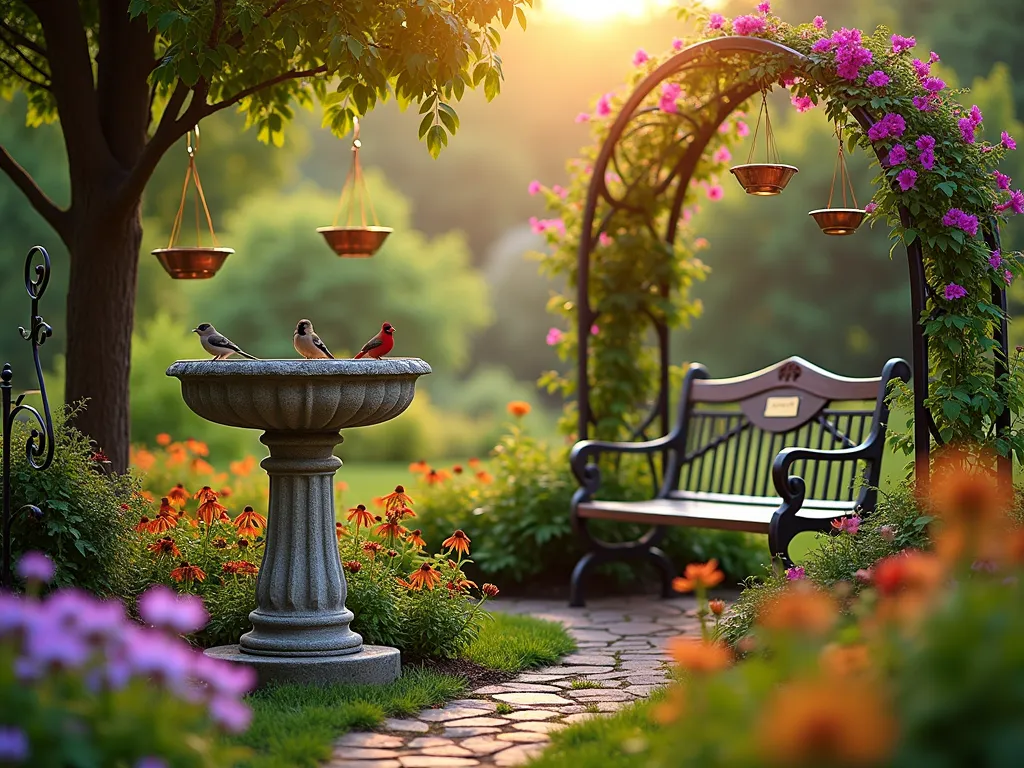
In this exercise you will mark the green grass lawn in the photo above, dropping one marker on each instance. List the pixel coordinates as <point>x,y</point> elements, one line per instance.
<point>369,480</point>
<point>616,741</point>
<point>295,725</point>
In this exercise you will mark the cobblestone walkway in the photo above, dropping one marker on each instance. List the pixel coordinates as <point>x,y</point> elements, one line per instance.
<point>621,658</point>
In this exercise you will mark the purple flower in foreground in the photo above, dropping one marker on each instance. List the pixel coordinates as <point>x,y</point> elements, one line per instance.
<point>848,525</point>
<point>1016,203</point>
<point>35,566</point>
<point>715,21</point>
<point>891,124</point>
<point>995,260</point>
<point>923,69</point>
<point>923,103</point>
<point>1007,140</point>
<point>802,103</point>
<point>975,115</point>
<point>933,84</point>
<point>150,762</point>
<point>907,178</point>
<point>870,207</point>
<point>1002,180</point>
<point>764,8</point>
<point>925,142</point>
<point>13,745</point>
<point>819,22</point>
<point>796,573</point>
<point>897,155</point>
<point>231,714</point>
<point>966,129</point>
<point>954,217</point>
<point>747,25</point>
<point>554,336</point>
<point>878,79</point>
<point>954,292</point>
<point>900,43</point>
<point>161,607</point>
<point>927,159</point>
<point>1008,276</point>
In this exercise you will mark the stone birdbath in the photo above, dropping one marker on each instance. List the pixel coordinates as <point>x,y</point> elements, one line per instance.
<point>300,628</point>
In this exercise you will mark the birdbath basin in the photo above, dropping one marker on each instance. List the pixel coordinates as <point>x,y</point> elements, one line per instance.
<point>300,628</point>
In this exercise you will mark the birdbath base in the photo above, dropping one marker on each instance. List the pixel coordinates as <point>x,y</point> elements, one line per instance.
<point>370,665</point>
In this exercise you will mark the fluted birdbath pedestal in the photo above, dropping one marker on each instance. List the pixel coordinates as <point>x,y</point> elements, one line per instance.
<point>300,628</point>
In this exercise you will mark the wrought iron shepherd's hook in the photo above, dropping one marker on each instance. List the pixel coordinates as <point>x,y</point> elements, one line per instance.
<point>40,444</point>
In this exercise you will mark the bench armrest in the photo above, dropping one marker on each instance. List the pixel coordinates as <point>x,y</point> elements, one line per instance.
<point>789,490</point>
<point>585,449</point>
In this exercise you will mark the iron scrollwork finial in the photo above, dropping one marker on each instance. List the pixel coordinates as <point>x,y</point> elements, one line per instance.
<point>40,444</point>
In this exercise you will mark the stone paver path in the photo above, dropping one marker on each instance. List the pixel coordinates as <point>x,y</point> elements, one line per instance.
<point>621,658</point>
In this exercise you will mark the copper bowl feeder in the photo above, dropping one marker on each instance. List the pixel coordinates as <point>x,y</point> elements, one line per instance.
<point>770,177</point>
<point>355,241</point>
<point>198,262</point>
<point>845,220</point>
<point>764,179</point>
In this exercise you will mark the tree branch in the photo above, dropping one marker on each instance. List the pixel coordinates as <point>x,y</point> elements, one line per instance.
<point>23,76</point>
<point>209,109</point>
<point>275,8</point>
<point>44,206</point>
<point>23,57</point>
<point>21,40</point>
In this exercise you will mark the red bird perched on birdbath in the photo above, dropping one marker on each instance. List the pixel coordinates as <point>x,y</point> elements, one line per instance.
<point>380,344</point>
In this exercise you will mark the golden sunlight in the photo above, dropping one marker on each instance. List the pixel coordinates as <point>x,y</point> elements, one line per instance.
<point>602,11</point>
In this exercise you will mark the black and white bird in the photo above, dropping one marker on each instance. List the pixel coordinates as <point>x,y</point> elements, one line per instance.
<point>308,344</point>
<point>221,347</point>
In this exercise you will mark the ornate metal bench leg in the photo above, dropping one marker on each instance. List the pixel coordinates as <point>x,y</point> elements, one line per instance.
<point>780,533</point>
<point>579,573</point>
<point>666,569</point>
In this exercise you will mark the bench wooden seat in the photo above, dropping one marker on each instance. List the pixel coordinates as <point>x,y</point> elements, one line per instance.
<point>784,450</point>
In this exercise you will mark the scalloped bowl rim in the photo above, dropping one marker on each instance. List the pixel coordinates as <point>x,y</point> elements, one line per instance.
<point>286,368</point>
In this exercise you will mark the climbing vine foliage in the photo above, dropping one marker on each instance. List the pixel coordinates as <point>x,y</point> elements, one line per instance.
<point>937,162</point>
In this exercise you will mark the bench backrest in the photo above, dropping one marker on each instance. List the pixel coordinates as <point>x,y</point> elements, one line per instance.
<point>730,430</point>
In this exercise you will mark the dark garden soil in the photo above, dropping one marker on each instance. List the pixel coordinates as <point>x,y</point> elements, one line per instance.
<point>476,675</point>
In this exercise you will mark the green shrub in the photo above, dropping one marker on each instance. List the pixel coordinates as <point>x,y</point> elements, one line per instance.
<point>518,510</point>
<point>86,523</point>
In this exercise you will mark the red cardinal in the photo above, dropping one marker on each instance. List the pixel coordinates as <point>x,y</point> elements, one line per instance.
<point>380,344</point>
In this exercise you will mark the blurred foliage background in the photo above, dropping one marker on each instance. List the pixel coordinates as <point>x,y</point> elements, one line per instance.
<point>455,277</point>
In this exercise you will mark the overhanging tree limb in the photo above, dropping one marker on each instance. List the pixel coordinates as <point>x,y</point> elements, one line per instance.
<point>21,40</point>
<point>210,109</point>
<point>43,205</point>
<point>19,74</point>
<point>21,55</point>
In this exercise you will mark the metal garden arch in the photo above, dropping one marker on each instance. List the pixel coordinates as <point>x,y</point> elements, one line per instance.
<point>674,181</point>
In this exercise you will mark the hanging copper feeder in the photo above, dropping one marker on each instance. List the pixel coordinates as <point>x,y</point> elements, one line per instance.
<point>197,262</point>
<point>845,220</point>
<point>771,176</point>
<point>355,241</point>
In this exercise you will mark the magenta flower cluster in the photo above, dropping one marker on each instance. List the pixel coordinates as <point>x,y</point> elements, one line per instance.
<point>540,226</point>
<point>669,95</point>
<point>964,221</point>
<point>926,146</point>
<point>954,292</point>
<point>748,25</point>
<point>969,124</point>
<point>892,125</point>
<point>878,79</point>
<point>850,55</point>
<point>901,44</point>
<point>74,633</point>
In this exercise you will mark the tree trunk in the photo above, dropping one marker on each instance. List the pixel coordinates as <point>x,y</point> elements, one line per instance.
<point>101,309</point>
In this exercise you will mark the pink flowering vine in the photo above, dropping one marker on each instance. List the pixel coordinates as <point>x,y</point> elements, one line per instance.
<point>604,106</point>
<point>891,125</point>
<point>878,79</point>
<point>677,44</point>
<point>715,192</point>
<point>819,22</point>
<point>897,155</point>
<point>640,57</point>
<point>748,25</point>
<point>954,292</point>
<point>716,21</point>
<point>554,337</point>
<point>669,95</point>
<point>802,103</point>
<point>955,217</point>
<point>995,260</point>
<point>901,44</point>
<point>1002,180</point>
<point>582,117</point>
<point>1007,141</point>
<point>534,187</point>
<point>907,178</point>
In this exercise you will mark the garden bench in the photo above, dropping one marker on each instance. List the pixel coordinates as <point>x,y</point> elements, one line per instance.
<point>792,427</point>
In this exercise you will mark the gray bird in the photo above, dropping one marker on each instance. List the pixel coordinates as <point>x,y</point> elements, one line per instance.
<point>221,347</point>
<point>308,344</point>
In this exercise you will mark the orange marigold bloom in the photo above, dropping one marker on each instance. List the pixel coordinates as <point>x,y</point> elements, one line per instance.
<point>164,546</point>
<point>178,495</point>
<point>250,523</point>
<point>425,576</point>
<point>353,566</point>
<point>243,567</point>
<point>833,721</point>
<point>518,408</point>
<point>397,499</point>
<point>144,525</point>
<point>416,539</point>
<point>197,447</point>
<point>419,467</point>
<point>202,467</point>
<point>163,439</point>
<point>800,608</point>
<point>473,463</point>
<point>434,477</point>
<point>489,590</point>
<point>143,459</point>
<point>704,575</point>
<point>211,510</point>
<point>485,477</point>
<point>186,572</point>
<point>717,607</point>
<point>204,494</point>
<point>458,541</point>
<point>699,655</point>
<point>361,517</point>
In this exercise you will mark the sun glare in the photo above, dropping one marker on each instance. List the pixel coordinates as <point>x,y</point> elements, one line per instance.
<point>602,11</point>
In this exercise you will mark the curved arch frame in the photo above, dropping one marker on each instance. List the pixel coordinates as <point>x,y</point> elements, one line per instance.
<point>924,424</point>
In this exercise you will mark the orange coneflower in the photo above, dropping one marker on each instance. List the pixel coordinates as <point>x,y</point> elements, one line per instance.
<point>697,655</point>
<point>518,408</point>
<point>353,566</point>
<point>178,495</point>
<point>458,541</point>
<point>485,477</point>
<point>243,543</point>
<point>220,543</point>
<point>341,486</point>
<point>225,492</point>
<point>146,496</point>
<point>403,583</point>
<point>361,516</point>
<point>197,447</point>
<point>166,508</point>
<point>164,546</point>
<point>188,573</point>
<point>243,567</point>
<point>211,510</point>
<point>845,660</point>
<point>433,477</point>
<point>372,548</point>
<point>397,499</point>
<point>419,467</point>
<point>800,608</point>
<point>164,521</point>
<point>145,525</point>
<point>250,523</point>
<point>202,467</point>
<point>243,467</point>
<point>457,469</point>
<point>473,463</point>
<point>404,512</point>
<point>696,575</point>
<point>176,454</point>
<point>339,530</point>
<point>391,529</point>
<point>717,607</point>
<point>163,439</point>
<point>416,539</point>
<point>462,583</point>
<point>204,494</point>
<point>489,590</point>
<point>143,459</point>
<point>425,576</point>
